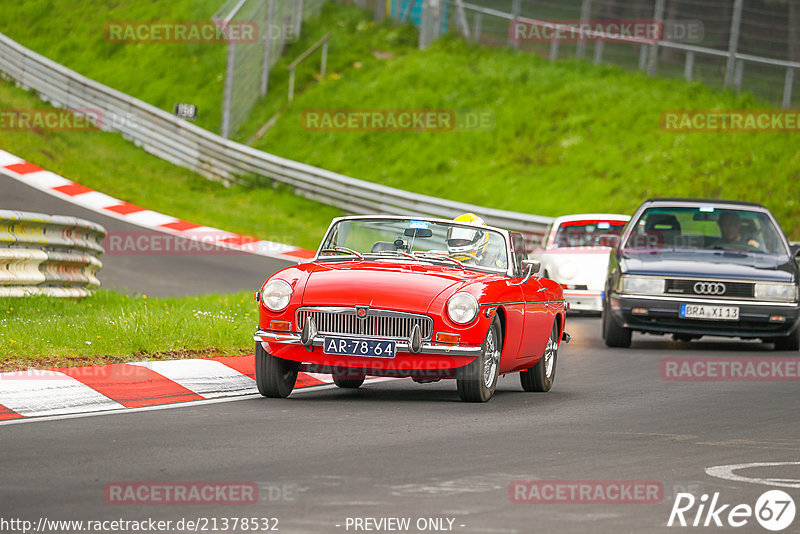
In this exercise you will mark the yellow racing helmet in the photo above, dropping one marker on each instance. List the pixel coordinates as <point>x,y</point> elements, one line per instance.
<point>467,244</point>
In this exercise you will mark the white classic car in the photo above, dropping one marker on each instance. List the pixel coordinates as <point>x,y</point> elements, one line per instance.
<point>575,254</point>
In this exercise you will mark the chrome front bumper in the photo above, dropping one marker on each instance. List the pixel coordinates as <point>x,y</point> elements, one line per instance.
<point>400,345</point>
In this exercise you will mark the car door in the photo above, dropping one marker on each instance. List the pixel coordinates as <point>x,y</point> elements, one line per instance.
<point>539,312</point>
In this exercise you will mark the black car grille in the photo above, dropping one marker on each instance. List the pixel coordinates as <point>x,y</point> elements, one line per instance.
<point>378,323</point>
<point>690,288</point>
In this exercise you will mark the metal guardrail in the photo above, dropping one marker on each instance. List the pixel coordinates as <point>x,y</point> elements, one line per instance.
<point>215,157</point>
<point>55,255</point>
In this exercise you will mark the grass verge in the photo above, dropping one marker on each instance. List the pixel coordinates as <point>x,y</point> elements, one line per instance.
<point>42,332</point>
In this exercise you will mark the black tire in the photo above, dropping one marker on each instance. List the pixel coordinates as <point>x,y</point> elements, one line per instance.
<point>541,376</point>
<point>275,377</point>
<point>614,334</point>
<point>348,379</point>
<point>790,342</point>
<point>477,381</point>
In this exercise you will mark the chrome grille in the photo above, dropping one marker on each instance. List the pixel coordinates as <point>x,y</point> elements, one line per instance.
<point>378,323</point>
<point>733,289</point>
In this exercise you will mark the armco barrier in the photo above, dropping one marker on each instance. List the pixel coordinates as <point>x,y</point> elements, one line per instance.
<point>211,155</point>
<point>48,255</point>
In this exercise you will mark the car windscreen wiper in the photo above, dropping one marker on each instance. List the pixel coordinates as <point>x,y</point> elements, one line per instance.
<point>437,256</point>
<point>343,250</point>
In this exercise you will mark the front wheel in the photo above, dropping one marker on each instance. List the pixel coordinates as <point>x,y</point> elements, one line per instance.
<point>790,342</point>
<point>275,377</point>
<point>614,334</point>
<point>541,376</point>
<point>477,381</point>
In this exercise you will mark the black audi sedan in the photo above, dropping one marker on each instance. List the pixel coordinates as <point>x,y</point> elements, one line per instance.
<point>691,268</point>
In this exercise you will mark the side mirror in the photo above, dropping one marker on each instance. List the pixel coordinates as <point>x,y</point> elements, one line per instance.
<point>530,268</point>
<point>795,249</point>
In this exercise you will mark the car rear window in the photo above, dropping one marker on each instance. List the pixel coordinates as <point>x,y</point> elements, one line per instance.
<point>587,233</point>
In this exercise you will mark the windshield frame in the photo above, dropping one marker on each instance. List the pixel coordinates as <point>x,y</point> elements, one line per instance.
<point>697,204</point>
<point>509,271</point>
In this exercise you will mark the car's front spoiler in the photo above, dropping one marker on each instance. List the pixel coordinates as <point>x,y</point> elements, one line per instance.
<point>400,345</point>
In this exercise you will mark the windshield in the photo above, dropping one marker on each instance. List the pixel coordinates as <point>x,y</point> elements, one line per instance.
<point>418,240</point>
<point>706,228</point>
<point>588,233</point>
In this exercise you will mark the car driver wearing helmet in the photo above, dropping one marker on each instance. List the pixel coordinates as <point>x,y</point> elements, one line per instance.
<point>472,246</point>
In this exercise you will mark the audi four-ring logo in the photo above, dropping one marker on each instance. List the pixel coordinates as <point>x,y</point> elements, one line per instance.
<point>709,288</point>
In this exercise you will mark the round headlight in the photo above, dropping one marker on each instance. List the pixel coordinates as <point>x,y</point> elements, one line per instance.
<point>462,308</point>
<point>276,295</point>
<point>567,270</point>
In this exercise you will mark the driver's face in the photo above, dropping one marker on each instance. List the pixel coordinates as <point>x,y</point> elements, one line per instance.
<point>729,227</point>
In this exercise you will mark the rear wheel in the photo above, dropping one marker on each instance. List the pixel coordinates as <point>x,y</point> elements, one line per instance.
<point>348,379</point>
<point>541,376</point>
<point>790,342</point>
<point>614,334</point>
<point>275,377</point>
<point>477,381</point>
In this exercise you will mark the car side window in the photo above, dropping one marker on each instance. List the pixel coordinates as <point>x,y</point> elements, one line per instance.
<point>520,252</point>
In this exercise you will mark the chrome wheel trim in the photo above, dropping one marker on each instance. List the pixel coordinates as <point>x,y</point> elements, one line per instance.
<point>549,357</point>
<point>490,360</point>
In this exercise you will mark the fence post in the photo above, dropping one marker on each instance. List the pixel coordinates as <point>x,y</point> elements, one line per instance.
<point>267,48</point>
<point>598,51</point>
<point>658,16</point>
<point>298,18</point>
<point>324,65</point>
<point>733,43</point>
<point>787,88</point>
<point>227,98</point>
<point>688,68</point>
<point>380,10</point>
<point>516,9</point>
<point>477,30</point>
<point>554,47</point>
<point>586,12</point>
<point>461,17</point>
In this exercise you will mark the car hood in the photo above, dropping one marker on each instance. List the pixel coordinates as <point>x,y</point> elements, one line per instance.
<point>710,264</point>
<point>407,287</point>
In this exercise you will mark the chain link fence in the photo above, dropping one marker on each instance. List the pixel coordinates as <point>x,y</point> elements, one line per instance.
<point>750,45</point>
<point>279,22</point>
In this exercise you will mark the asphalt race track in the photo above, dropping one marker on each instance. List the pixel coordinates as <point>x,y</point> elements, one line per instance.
<point>399,449</point>
<point>156,275</point>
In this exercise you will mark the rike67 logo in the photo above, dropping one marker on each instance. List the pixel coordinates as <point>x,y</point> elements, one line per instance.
<point>774,510</point>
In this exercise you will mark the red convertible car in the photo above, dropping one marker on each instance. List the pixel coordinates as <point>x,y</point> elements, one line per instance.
<point>407,297</point>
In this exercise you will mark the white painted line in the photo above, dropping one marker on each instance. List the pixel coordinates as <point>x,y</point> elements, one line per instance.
<point>95,200</point>
<point>50,393</point>
<point>7,158</point>
<point>45,179</point>
<point>124,411</point>
<point>726,472</point>
<point>207,378</point>
<point>149,219</point>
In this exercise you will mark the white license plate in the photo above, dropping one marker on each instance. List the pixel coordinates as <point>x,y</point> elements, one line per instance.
<point>713,313</point>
